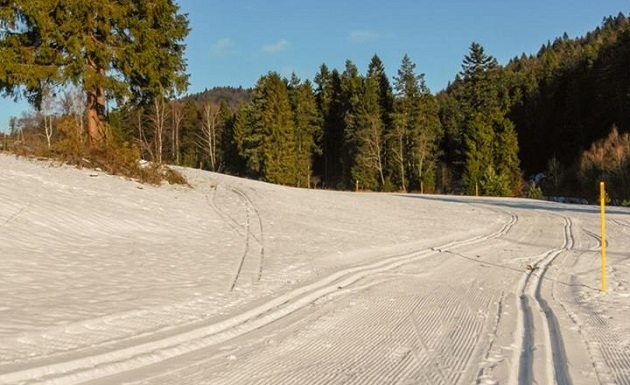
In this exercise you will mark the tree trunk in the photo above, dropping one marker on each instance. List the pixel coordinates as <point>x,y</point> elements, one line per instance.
<point>95,105</point>
<point>95,110</point>
<point>402,163</point>
<point>159,120</point>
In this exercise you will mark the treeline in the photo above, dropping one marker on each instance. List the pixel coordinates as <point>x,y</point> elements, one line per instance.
<point>567,99</point>
<point>343,130</point>
<point>550,114</point>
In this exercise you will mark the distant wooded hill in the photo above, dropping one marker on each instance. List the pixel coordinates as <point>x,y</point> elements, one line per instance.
<point>232,96</point>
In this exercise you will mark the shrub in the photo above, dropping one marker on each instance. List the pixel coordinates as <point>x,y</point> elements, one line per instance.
<point>113,155</point>
<point>493,184</point>
<point>534,191</point>
<point>608,160</point>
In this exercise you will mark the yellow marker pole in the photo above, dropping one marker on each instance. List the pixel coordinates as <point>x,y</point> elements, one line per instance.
<point>602,198</point>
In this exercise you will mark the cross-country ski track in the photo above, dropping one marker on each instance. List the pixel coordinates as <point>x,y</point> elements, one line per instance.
<point>231,281</point>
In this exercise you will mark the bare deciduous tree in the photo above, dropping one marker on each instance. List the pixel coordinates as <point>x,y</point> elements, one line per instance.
<point>158,121</point>
<point>142,138</point>
<point>47,114</point>
<point>209,128</point>
<point>72,104</point>
<point>177,117</point>
<point>399,138</point>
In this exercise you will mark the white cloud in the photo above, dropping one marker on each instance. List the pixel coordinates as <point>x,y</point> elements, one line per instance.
<point>276,47</point>
<point>222,47</point>
<point>362,36</point>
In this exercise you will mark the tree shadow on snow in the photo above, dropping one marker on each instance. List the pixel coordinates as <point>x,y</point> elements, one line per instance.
<point>521,204</point>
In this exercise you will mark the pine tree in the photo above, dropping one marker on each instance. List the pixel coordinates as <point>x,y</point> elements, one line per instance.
<point>308,129</point>
<point>376,73</point>
<point>265,133</point>
<point>376,70</point>
<point>129,50</point>
<point>416,128</point>
<point>367,126</point>
<point>352,91</point>
<point>491,146</point>
<point>330,102</point>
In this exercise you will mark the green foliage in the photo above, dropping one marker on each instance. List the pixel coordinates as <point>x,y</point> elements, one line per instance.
<point>265,133</point>
<point>128,50</point>
<point>534,191</point>
<point>308,132</point>
<point>539,111</point>
<point>331,109</point>
<point>479,142</point>
<point>366,129</point>
<point>492,183</point>
<point>489,140</point>
<point>571,92</point>
<point>416,130</point>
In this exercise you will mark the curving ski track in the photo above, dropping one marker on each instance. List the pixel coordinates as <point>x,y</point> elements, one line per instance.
<point>129,358</point>
<point>250,232</point>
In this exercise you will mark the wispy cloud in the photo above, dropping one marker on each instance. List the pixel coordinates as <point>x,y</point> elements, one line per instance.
<point>362,36</point>
<point>222,47</point>
<point>276,47</point>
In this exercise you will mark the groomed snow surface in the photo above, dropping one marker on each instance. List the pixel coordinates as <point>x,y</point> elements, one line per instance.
<point>231,281</point>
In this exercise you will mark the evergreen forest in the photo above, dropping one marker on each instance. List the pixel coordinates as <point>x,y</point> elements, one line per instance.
<point>550,123</point>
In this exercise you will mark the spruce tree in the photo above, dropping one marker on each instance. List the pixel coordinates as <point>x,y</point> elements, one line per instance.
<point>416,128</point>
<point>130,50</point>
<point>376,73</point>
<point>491,147</point>
<point>367,138</point>
<point>352,91</point>
<point>265,133</point>
<point>330,102</point>
<point>308,130</point>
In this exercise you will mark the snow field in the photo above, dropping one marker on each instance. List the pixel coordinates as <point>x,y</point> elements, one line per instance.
<point>239,282</point>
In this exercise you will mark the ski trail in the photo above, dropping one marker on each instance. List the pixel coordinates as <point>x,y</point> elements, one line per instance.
<point>239,268</point>
<point>103,364</point>
<point>16,214</point>
<point>261,234</point>
<point>247,230</point>
<point>540,361</point>
<point>484,375</point>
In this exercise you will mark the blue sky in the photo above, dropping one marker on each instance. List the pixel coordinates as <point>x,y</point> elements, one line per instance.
<point>233,43</point>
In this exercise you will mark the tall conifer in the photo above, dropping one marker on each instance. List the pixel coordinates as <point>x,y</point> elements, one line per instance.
<point>308,130</point>
<point>130,50</point>
<point>491,147</point>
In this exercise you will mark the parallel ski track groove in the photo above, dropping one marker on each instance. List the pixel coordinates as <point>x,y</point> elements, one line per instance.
<point>453,345</point>
<point>553,354</point>
<point>148,353</point>
<point>611,360</point>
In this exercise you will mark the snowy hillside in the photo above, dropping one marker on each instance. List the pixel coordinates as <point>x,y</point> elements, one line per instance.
<point>106,281</point>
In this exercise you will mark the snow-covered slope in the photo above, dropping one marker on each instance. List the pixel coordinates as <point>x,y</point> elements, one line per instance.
<point>106,281</point>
